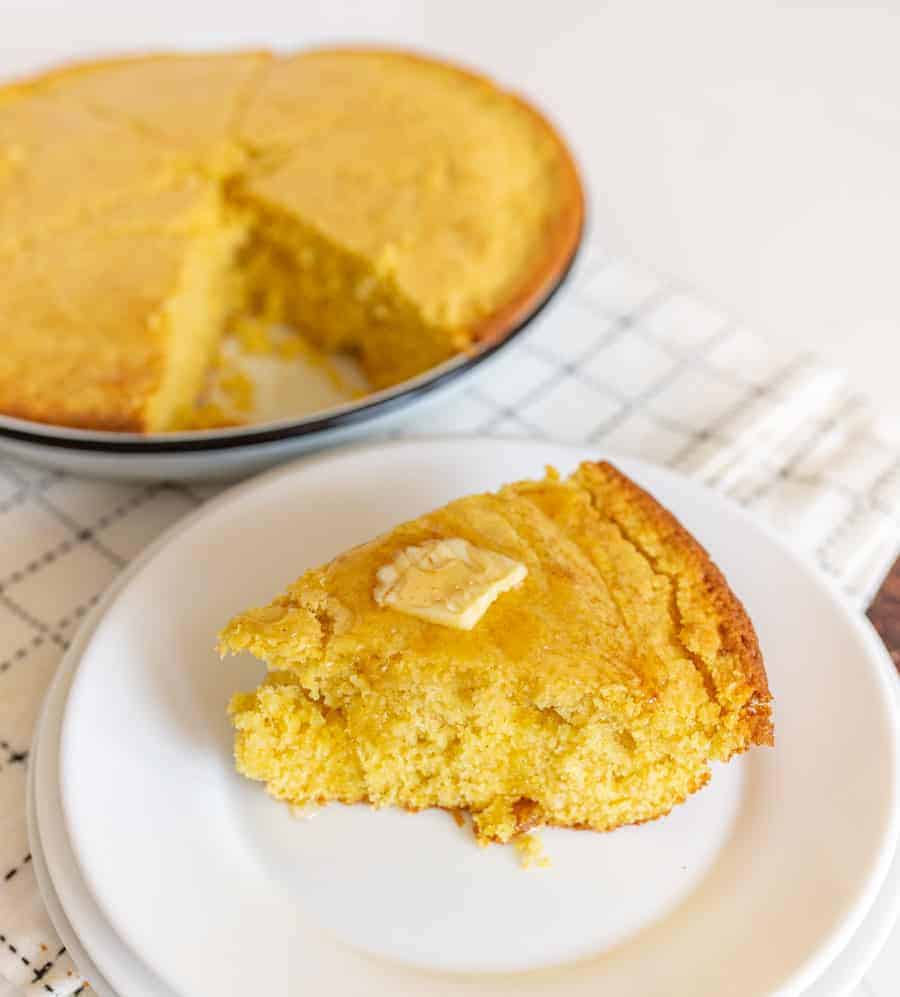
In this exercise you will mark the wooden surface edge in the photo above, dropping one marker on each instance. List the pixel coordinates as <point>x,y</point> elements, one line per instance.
<point>885,613</point>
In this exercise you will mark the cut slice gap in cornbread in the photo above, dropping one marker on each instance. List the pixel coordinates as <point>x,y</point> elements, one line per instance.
<point>594,693</point>
<point>291,273</point>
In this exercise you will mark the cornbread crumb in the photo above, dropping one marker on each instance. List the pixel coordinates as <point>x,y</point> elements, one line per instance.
<point>253,334</point>
<point>592,695</point>
<point>305,811</point>
<point>531,852</point>
<point>207,415</point>
<point>238,388</point>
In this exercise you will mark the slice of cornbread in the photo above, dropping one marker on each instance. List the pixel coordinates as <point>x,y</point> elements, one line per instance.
<point>136,304</point>
<point>189,102</point>
<point>603,676</point>
<point>392,207</point>
<point>406,203</point>
<point>60,162</point>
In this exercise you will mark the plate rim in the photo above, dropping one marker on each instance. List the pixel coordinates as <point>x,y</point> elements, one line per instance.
<point>821,957</point>
<point>56,908</point>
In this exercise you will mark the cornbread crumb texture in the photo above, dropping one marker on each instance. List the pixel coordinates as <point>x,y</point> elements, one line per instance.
<point>593,694</point>
<point>381,203</point>
<point>531,851</point>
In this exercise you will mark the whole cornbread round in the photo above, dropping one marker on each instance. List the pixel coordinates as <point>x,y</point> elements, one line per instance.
<point>383,203</point>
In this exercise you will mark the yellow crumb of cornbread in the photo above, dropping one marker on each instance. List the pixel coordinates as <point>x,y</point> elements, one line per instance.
<point>531,852</point>
<point>253,335</point>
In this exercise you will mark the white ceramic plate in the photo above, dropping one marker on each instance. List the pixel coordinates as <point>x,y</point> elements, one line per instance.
<point>751,888</point>
<point>96,943</point>
<point>62,888</point>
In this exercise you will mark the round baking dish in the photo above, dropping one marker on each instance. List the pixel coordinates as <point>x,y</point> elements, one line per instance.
<point>234,452</point>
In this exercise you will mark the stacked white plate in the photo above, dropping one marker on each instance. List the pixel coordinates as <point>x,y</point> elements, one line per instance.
<point>166,873</point>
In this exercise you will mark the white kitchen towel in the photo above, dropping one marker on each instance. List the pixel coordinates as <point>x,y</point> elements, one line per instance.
<point>621,359</point>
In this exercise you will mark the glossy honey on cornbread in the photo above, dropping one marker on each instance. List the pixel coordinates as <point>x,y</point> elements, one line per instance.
<point>594,691</point>
<point>382,203</point>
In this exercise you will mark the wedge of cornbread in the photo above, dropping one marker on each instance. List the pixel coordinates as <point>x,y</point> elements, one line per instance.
<point>383,204</point>
<point>61,163</point>
<point>136,303</point>
<point>561,652</point>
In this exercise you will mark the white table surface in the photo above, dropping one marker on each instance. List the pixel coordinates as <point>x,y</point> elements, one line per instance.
<point>752,152</point>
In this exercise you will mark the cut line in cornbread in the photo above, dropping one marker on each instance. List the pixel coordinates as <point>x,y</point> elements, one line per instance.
<point>383,204</point>
<point>594,692</point>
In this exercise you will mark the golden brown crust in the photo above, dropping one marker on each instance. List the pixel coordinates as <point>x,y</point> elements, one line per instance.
<point>531,820</point>
<point>738,637</point>
<point>528,818</point>
<point>551,265</point>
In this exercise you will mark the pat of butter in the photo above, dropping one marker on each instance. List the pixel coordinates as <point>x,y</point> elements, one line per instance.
<point>451,582</point>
